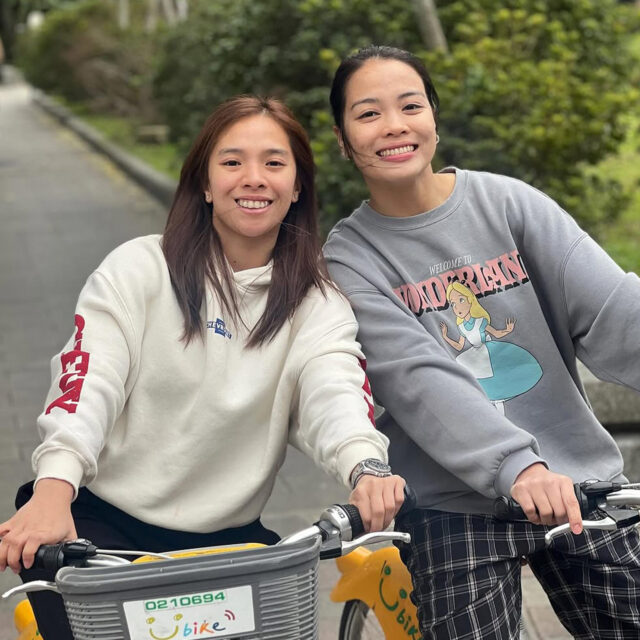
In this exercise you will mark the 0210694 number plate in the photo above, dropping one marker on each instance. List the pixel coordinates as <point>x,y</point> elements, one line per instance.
<point>197,616</point>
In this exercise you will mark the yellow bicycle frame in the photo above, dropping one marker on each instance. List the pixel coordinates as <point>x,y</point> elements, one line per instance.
<point>379,579</point>
<point>25,621</point>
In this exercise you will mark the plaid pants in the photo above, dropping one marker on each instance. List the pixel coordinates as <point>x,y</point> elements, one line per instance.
<point>466,577</point>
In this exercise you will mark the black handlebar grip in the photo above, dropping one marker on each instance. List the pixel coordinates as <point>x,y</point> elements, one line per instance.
<point>410,502</point>
<point>49,557</point>
<point>508,509</point>
<point>357,527</point>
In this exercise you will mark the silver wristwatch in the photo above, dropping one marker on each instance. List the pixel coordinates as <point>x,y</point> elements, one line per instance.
<point>369,467</point>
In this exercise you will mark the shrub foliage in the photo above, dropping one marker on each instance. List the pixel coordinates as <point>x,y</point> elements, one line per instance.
<point>536,89</point>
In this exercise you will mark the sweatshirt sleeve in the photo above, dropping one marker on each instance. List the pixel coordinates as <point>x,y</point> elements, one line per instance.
<point>435,400</point>
<point>332,420</point>
<point>588,300</point>
<point>89,386</point>
<point>603,309</point>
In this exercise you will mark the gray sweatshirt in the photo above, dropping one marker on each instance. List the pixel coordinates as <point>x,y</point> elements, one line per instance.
<point>519,291</point>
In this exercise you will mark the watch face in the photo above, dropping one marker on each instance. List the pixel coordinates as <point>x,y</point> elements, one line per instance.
<point>377,465</point>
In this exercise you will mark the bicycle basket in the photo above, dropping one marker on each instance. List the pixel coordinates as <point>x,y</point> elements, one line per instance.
<point>257,594</point>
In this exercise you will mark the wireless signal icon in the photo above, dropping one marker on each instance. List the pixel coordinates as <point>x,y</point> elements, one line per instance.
<point>229,615</point>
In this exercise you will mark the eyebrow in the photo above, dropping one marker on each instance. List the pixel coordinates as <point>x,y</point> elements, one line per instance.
<point>407,94</point>
<point>266,152</point>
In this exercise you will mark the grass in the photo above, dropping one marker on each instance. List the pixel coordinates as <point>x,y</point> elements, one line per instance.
<point>622,238</point>
<point>121,131</point>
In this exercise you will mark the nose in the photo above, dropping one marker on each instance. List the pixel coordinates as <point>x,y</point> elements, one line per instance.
<point>253,177</point>
<point>394,124</point>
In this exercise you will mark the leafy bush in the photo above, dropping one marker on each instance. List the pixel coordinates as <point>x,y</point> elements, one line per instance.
<point>534,89</point>
<point>80,53</point>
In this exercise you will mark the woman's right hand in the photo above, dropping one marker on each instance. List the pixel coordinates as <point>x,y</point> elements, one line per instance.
<point>45,519</point>
<point>547,498</point>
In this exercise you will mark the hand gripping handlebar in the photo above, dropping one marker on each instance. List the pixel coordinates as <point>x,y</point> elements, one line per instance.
<point>598,499</point>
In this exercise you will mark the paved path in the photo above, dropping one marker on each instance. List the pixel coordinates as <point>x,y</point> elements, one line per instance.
<point>62,208</point>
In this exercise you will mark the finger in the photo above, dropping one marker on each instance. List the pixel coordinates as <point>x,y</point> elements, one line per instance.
<point>572,508</point>
<point>4,546</point>
<point>543,507</point>
<point>528,506</point>
<point>399,492</point>
<point>390,506</point>
<point>556,501</point>
<point>376,502</point>
<point>14,554</point>
<point>29,552</point>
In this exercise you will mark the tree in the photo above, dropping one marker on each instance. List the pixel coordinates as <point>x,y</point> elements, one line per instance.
<point>430,27</point>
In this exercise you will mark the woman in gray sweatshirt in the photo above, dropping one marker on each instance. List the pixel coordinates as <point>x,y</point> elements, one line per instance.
<point>475,293</point>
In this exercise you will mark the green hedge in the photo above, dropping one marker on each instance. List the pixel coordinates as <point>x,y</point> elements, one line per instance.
<point>80,54</point>
<point>534,90</point>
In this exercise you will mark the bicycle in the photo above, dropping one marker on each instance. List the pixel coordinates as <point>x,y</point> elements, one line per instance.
<point>249,591</point>
<point>375,585</point>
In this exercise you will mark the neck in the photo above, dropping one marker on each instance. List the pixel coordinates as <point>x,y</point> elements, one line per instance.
<point>413,197</point>
<point>248,253</point>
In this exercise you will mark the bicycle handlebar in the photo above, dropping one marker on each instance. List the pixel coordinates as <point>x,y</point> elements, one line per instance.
<point>52,557</point>
<point>609,502</point>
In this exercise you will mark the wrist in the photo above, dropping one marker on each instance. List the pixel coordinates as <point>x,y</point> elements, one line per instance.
<point>369,467</point>
<point>54,489</point>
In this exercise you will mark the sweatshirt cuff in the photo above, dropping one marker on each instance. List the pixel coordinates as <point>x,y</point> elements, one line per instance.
<point>61,465</point>
<point>512,466</point>
<point>356,451</point>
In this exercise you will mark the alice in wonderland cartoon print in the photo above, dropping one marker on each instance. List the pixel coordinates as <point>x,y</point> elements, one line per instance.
<point>503,369</point>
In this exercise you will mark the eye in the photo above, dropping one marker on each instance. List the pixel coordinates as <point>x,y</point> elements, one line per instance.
<point>275,163</point>
<point>231,163</point>
<point>367,114</point>
<point>412,107</point>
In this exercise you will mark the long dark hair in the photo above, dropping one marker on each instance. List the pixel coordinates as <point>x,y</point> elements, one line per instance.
<point>192,247</point>
<point>353,62</point>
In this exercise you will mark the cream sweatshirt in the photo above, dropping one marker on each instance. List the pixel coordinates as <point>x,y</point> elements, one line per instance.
<point>191,437</point>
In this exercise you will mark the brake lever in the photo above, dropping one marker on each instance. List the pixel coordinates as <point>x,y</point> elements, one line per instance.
<point>606,524</point>
<point>373,538</point>
<point>614,519</point>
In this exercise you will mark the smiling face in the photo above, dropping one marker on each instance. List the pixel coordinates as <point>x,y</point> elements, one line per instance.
<point>252,183</point>
<point>389,123</point>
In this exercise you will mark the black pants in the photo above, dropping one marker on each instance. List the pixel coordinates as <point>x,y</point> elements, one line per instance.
<point>110,528</point>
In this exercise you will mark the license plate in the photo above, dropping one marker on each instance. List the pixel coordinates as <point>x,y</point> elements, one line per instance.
<point>197,616</point>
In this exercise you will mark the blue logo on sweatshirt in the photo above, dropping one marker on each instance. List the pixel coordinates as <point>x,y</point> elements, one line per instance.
<point>219,327</point>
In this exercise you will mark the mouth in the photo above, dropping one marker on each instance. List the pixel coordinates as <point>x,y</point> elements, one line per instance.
<point>254,205</point>
<point>397,151</point>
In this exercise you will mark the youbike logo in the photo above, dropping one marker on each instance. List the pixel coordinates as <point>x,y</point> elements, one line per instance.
<point>197,629</point>
<point>394,603</point>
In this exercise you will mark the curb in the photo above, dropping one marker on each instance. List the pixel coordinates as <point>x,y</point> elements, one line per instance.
<point>157,184</point>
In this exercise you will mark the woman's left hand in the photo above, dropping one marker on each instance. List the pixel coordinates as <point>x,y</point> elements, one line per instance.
<point>378,500</point>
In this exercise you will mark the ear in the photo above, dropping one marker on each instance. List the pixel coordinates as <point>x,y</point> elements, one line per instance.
<point>207,196</point>
<point>296,192</point>
<point>338,135</point>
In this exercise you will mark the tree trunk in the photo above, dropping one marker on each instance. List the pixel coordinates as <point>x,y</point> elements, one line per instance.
<point>153,10</point>
<point>183,9</point>
<point>429,23</point>
<point>124,21</point>
<point>169,12</point>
